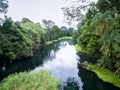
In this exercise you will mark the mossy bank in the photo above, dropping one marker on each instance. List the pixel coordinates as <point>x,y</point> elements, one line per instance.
<point>105,74</point>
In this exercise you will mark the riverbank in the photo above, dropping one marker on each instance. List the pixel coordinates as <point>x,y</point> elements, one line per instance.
<point>41,80</point>
<point>62,38</point>
<point>36,47</point>
<point>78,48</point>
<point>104,74</point>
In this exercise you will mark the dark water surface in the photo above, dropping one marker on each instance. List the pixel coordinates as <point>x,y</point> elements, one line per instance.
<point>62,60</point>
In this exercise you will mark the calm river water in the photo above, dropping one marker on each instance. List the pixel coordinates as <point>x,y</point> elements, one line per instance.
<point>62,60</point>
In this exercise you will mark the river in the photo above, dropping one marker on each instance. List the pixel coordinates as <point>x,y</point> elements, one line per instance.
<point>63,62</point>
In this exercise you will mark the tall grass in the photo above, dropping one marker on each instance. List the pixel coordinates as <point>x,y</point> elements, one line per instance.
<point>41,80</point>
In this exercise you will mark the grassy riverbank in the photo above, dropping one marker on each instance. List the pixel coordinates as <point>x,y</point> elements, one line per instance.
<point>78,48</point>
<point>62,38</point>
<point>66,37</point>
<point>41,80</point>
<point>105,74</point>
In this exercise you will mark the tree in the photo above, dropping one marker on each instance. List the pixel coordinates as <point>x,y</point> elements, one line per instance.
<point>18,39</point>
<point>3,6</point>
<point>25,20</point>
<point>75,12</point>
<point>63,28</point>
<point>7,22</point>
<point>55,32</point>
<point>100,34</point>
<point>102,22</point>
<point>48,24</point>
<point>111,5</point>
<point>110,49</point>
<point>70,31</point>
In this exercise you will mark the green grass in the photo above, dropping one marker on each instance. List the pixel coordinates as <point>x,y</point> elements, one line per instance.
<point>41,80</point>
<point>106,75</point>
<point>78,48</point>
<point>66,37</point>
<point>48,42</point>
<point>62,38</point>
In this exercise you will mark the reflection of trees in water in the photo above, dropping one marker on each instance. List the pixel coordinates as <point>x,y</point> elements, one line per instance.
<point>52,55</point>
<point>86,57</point>
<point>29,63</point>
<point>71,84</point>
<point>63,44</point>
<point>50,51</point>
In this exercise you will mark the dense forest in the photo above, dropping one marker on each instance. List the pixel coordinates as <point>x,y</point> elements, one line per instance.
<point>98,32</point>
<point>97,35</point>
<point>19,39</point>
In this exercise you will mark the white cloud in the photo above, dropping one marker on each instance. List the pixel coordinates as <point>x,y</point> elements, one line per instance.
<point>38,9</point>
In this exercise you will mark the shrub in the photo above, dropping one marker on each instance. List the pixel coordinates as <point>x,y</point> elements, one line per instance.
<point>41,80</point>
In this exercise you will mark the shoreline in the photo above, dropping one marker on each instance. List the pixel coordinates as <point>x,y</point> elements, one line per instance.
<point>46,43</point>
<point>104,74</point>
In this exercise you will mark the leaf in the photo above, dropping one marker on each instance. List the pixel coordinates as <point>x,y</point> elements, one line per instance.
<point>117,64</point>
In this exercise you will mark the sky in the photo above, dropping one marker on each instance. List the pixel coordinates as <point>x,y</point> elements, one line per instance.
<point>36,10</point>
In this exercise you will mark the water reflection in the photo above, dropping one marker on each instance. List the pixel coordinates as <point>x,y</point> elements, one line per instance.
<point>29,63</point>
<point>61,59</point>
<point>63,65</point>
<point>71,84</point>
<point>92,82</point>
<point>3,68</point>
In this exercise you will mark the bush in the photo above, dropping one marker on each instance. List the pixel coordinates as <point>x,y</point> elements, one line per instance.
<point>41,80</point>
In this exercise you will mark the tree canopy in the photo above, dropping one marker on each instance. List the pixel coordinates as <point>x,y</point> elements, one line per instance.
<point>3,6</point>
<point>99,33</point>
<point>21,38</point>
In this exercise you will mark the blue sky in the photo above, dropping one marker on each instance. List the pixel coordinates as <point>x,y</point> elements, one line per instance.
<point>36,10</point>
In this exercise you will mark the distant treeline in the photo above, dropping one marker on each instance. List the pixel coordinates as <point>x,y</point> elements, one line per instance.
<point>19,39</point>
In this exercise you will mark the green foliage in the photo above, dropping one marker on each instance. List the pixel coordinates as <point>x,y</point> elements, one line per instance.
<point>41,80</point>
<point>48,23</point>
<point>33,31</point>
<point>87,40</point>
<point>66,37</point>
<point>25,20</point>
<point>111,5</point>
<point>55,32</point>
<point>117,22</point>
<point>88,43</point>
<point>76,33</point>
<point>78,48</point>
<point>71,84</point>
<point>99,35</point>
<point>62,38</point>
<point>106,75</point>
<point>75,12</point>
<point>110,48</point>
<point>19,39</point>
<point>3,6</point>
<point>102,23</point>
<point>11,55</point>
